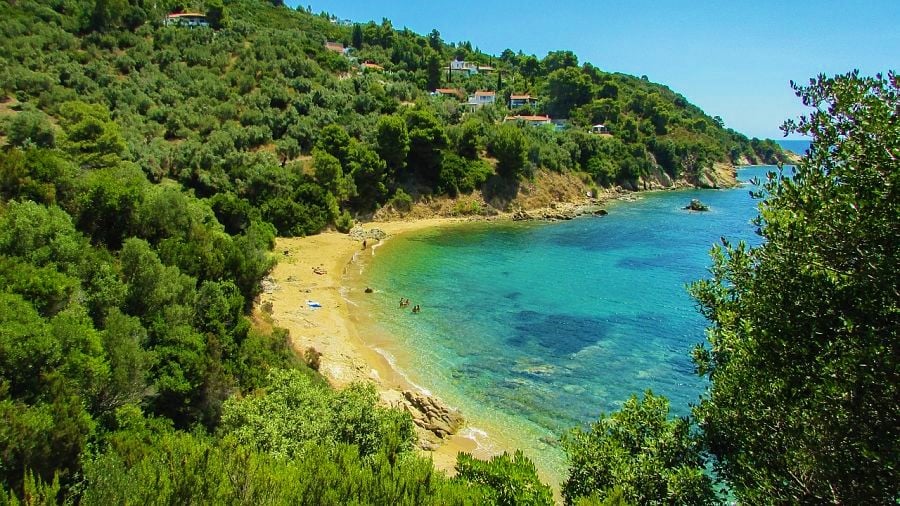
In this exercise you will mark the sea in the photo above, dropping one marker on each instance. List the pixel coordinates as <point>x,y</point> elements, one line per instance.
<point>799,146</point>
<point>531,329</point>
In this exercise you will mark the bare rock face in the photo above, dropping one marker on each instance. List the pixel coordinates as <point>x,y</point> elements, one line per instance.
<point>433,416</point>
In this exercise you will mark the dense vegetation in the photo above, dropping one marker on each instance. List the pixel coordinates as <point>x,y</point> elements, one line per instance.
<point>146,170</point>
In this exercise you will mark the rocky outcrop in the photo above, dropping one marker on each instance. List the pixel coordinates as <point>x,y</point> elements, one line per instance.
<point>360,234</point>
<point>431,415</point>
<point>558,212</point>
<point>696,205</point>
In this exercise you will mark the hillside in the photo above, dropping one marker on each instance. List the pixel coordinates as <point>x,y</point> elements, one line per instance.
<point>145,172</point>
<point>241,113</point>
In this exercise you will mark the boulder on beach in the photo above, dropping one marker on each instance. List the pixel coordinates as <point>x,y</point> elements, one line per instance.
<point>696,205</point>
<point>431,415</point>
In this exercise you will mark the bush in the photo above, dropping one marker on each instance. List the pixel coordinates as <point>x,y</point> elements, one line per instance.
<point>401,201</point>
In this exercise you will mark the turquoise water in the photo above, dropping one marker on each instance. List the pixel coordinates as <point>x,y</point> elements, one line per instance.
<point>535,328</point>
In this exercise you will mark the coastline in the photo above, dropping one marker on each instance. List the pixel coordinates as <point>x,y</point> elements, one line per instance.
<point>313,269</point>
<point>316,268</point>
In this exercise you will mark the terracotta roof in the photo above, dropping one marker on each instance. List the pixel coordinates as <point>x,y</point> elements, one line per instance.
<point>373,66</point>
<point>448,91</point>
<point>528,118</point>
<point>335,46</point>
<point>186,14</point>
<point>485,93</point>
<point>521,97</point>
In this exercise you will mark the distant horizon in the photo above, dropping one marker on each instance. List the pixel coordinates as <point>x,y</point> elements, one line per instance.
<point>749,53</point>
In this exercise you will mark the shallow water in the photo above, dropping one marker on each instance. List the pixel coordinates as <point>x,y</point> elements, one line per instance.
<point>534,328</point>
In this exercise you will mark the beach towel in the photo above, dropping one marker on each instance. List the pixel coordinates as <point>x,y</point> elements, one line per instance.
<point>313,304</point>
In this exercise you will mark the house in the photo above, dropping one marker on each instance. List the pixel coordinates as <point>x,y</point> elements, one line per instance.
<point>449,92</point>
<point>189,19</point>
<point>485,68</point>
<point>600,130</point>
<point>337,47</point>
<point>530,120</point>
<point>367,65</point>
<point>516,101</point>
<point>464,66</point>
<point>481,99</point>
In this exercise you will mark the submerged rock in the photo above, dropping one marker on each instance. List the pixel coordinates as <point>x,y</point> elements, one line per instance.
<point>696,205</point>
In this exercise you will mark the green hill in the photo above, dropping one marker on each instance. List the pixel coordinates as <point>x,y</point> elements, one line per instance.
<point>145,171</point>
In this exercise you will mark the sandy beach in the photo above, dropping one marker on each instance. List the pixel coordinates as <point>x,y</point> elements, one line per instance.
<point>310,272</point>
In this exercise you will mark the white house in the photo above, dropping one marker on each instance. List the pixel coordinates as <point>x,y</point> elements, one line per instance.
<point>600,130</point>
<point>482,98</point>
<point>189,19</point>
<point>464,66</point>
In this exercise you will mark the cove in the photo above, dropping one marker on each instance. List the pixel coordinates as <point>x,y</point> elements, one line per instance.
<point>534,328</point>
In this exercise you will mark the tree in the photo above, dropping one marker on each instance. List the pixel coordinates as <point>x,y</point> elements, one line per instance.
<point>556,60</point>
<point>434,40</point>
<point>509,145</point>
<point>335,141</point>
<point>803,348</point>
<point>107,14</point>
<point>90,135</point>
<point>426,140</point>
<point>433,71</point>
<point>512,479</point>
<point>392,143</point>
<point>31,127</point>
<point>640,453</point>
<point>216,14</point>
<point>568,88</point>
<point>356,38</point>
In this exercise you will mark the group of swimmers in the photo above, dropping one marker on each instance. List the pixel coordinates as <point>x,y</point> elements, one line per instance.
<point>405,302</point>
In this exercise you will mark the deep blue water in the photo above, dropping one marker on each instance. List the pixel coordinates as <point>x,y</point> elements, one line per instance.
<point>536,328</point>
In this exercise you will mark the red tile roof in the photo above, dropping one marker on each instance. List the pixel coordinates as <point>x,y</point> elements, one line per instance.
<point>528,118</point>
<point>485,93</point>
<point>521,97</point>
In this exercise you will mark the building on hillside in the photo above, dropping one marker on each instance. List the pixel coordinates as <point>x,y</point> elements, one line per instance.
<point>464,66</point>
<point>600,130</point>
<point>529,120</point>
<point>337,47</point>
<point>481,99</point>
<point>449,92</point>
<point>485,68</point>
<point>516,101</point>
<point>367,65</point>
<point>188,19</point>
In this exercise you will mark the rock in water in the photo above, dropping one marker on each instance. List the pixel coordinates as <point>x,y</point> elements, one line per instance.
<point>696,205</point>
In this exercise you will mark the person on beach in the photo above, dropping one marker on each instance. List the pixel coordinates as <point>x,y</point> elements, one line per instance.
<point>364,244</point>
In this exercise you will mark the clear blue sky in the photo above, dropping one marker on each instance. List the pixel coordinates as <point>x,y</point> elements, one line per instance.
<point>732,58</point>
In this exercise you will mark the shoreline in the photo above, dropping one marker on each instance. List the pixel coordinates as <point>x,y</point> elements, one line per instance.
<point>316,268</point>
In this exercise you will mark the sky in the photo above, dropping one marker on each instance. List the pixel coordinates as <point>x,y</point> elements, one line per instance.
<point>734,59</point>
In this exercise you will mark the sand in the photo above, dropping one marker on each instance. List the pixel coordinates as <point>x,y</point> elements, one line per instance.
<point>312,269</point>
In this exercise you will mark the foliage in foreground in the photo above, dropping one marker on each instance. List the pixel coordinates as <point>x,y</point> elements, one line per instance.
<point>803,350</point>
<point>637,455</point>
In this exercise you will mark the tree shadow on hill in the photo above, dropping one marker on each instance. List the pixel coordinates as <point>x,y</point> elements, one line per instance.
<point>499,192</point>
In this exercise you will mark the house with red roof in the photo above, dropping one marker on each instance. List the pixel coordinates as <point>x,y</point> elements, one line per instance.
<point>482,98</point>
<point>530,120</point>
<point>516,101</point>
<point>188,19</point>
